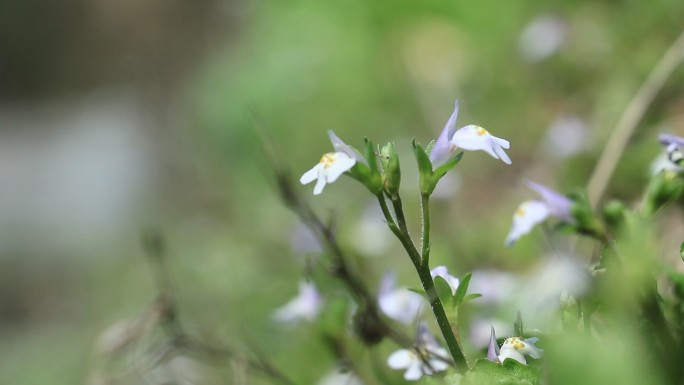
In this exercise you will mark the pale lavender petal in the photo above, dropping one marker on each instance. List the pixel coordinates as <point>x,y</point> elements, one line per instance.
<point>340,146</point>
<point>493,348</point>
<point>443,149</point>
<point>559,205</point>
<point>667,139</point>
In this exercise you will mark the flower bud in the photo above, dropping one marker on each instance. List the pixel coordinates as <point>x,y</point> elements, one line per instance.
<point>663,188</point>
<point>390,165</point>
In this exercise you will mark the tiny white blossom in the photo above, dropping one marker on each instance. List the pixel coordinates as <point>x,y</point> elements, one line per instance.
<point>305,305</point>
<point>398,303</point>
<point>330,167</point>
<point>340,376</point>
<point>470,138</point>
<point>427,357</point>
<point>475,138</point>
<point>442,271</point>
<point>517,348</point>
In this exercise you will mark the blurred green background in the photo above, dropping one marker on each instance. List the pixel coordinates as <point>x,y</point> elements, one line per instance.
<point>120,117</point>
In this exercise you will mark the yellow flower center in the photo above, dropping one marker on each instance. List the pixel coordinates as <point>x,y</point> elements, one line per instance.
<point>480,131</point>
<point>516,343</point>
<point>327,160</point>
<point>520,212</point>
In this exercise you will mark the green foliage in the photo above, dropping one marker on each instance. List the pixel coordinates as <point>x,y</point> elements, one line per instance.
<point>510,372</point>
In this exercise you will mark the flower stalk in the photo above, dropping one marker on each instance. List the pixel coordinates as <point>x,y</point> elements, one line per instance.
<point>420,262</point>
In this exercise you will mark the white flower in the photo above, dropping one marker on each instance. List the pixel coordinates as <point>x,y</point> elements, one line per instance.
<point>330,167</point>
<point>427,357</point>
<point>517,348</point>
<point>528,214</point>
<point>442,271</point>
<point>543,37</point>
<point>470,138</point>
<point>305,305</point>
<point>400,304</point>
<point>475,138</point>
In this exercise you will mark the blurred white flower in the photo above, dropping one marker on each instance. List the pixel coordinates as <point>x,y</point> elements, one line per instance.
<point>530,213</point>
<point>517,348</point>
<point>442,271</point>
<point>662,163</point>
<point>471,138</point>
<point>567,136</point>
<point>398,303</point>
<point>426,358</point>
<point>542,37</point>
<point>305,306</point>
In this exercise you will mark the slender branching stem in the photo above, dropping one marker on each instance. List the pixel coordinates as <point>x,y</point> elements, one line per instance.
<point>423,270</point>
<point>425,227</point>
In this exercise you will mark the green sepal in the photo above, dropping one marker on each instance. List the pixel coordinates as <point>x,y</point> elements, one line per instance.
<point>459,296</point>
<point>586,223</point>
<point>664,187</point>
<point>428,176</point>
<point>614,212</point>
<point>418,291</point>
<point>424,169</point>
<point>443,290</point>
<point>368,174</point>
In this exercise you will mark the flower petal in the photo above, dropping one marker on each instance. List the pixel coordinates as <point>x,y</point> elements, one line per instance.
<point>443,150</point>
<point>310,175</point>
<point>341,146</point>
<point>442,271</point>
<point>340,164</point>
<point>528,214</point>
<point>319,185</point>
<point>493,348</point>
<point>474,138</point>
<point>558,204</point>
<point>414,371</point>
<point>401,359</point>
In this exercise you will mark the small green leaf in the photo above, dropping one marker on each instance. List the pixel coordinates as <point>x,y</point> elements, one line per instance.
<point>462,289</point>
<point>471,297</point>
<point>443,169</point>
<point>443,290</point>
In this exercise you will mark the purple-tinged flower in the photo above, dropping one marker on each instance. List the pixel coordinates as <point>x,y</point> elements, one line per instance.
<point>471,138</point>
<point>442,271</point>
<point>426,358</point>
<point>306,305</point>
<point>493,348</point>
<point>674,146</point>
<point>531,213</point>
<point>517,348</point>
<point>559,205</point>
<point>398,303</point>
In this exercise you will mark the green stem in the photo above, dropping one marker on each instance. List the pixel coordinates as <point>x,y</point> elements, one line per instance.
<point>423,270</point>
<point>425,238</point>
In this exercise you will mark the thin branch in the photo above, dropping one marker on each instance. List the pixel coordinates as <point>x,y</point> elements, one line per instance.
<point>630,118</point>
